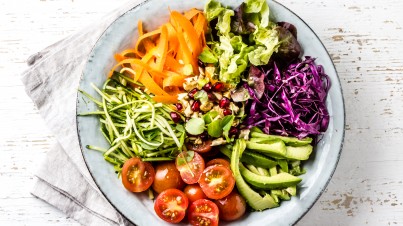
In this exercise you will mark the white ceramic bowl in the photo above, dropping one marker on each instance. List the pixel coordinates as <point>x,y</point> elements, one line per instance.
<point>137,208</point>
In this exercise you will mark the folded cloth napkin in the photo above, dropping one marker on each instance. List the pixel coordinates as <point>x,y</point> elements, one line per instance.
<point>52,81</point>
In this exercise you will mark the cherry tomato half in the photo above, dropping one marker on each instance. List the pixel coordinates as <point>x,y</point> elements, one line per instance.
<point>200,148</point>
<point>219,161</point>
<point>137,176</point>
<point>203,212</point>
<point>217,181</point>
<point>190,165</point>
<point>194,192</point>
<point>232,207</point>
<point>167,176</point>
<point>171,205</point>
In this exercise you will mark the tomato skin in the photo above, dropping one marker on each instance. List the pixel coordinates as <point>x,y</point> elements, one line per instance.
<point>167,176</point>
<point>232,207</point>
<point>137,176</point>
<point>200,148</point>
<point>194,192</point>
<point>190,171</point>
<point>203,212</point>
<point>218,161</point>
<point>170,205</point>
<point>217,181</point>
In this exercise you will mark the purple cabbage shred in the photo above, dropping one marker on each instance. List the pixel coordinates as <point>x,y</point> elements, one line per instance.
<point>292,102</point>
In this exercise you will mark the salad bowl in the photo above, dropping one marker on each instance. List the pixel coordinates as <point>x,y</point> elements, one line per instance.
<point>138,208</point>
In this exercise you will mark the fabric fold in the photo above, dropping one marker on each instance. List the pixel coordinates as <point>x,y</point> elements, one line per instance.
<point>51,81</point>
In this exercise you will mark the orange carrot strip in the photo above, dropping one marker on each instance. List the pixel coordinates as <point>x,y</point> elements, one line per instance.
<point>173,65</point>
<point>128,51</point>
<point>186,54</point>
<point>118,57</point>
<point>140,27</point>
<point>144,37</point>
<point>148,44</point>
<point>150,84</point>
<point>189,30</point>
<point>166,99</point>
<point>161,52</point>
<point>200,25</point>
<point>173,79</point>
<point>192,13</point>
<point>173,42</point>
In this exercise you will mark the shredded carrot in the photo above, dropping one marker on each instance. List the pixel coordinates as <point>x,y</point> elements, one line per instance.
<point>166,99</point>
<point>140,27</point>
<point>160,58</point>
<point>192,13</point>
<point>162,49</point>
<point>173,79</point>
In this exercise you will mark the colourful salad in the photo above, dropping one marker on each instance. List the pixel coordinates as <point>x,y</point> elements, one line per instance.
<point>213,113</point>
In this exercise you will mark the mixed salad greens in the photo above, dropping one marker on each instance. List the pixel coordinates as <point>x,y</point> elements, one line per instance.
<point>215,111</point>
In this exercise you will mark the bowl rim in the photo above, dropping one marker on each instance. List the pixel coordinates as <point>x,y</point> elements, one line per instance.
<point>286,8</point>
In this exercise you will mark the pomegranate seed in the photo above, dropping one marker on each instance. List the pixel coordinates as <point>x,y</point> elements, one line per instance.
<point>192,93</point>
<point>227,112</point>
<point>175,117</point>
<point>196,106</point>
<point>218,87</point>
<point>211,96</point>
<point>179,106</point>
<point>233,131</point>
<point>224,102</point>
<point>208,87</point>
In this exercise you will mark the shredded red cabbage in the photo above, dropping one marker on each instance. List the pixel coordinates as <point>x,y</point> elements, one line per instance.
<point>293,101</point>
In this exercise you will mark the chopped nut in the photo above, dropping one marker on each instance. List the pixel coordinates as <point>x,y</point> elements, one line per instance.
<point>187,69</point>
<point>201,70</point>
<point>234,108</point>
<point>210,72</point>
<point>244,133</point>
<point>206,106</point>
<point>217,95</point>
<point>195,115</point>
<point>198,141</point>
<point>218,141</point>
<point>182,96</point>
<point>189,85</point>
<point>188,111</point>
<point>227,94</point>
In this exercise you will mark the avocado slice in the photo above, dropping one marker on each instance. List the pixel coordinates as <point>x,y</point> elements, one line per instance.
<point>251,157</point>
<point>298,153</point>
<point>281,180</point>
<point>274,148</point>
<point>292,141</point>
<point>253,198</point>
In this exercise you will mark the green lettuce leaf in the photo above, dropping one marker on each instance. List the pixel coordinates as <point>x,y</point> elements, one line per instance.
<point>224,21</point>
<point>213,9</point>
<point>207,56</point>
<point>267,43</point>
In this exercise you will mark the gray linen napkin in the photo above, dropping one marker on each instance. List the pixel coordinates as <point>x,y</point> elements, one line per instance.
<point>52,81</point>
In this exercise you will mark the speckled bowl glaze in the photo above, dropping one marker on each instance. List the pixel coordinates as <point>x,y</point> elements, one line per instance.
<point>137,207</point>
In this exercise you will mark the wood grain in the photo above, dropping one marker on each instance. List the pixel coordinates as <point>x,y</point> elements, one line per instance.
<point>364,38</point>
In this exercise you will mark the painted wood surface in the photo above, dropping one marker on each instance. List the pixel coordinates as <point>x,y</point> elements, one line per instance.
<point>364,38</point>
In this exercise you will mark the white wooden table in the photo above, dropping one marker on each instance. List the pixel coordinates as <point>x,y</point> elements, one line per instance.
<point>364,38</point>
